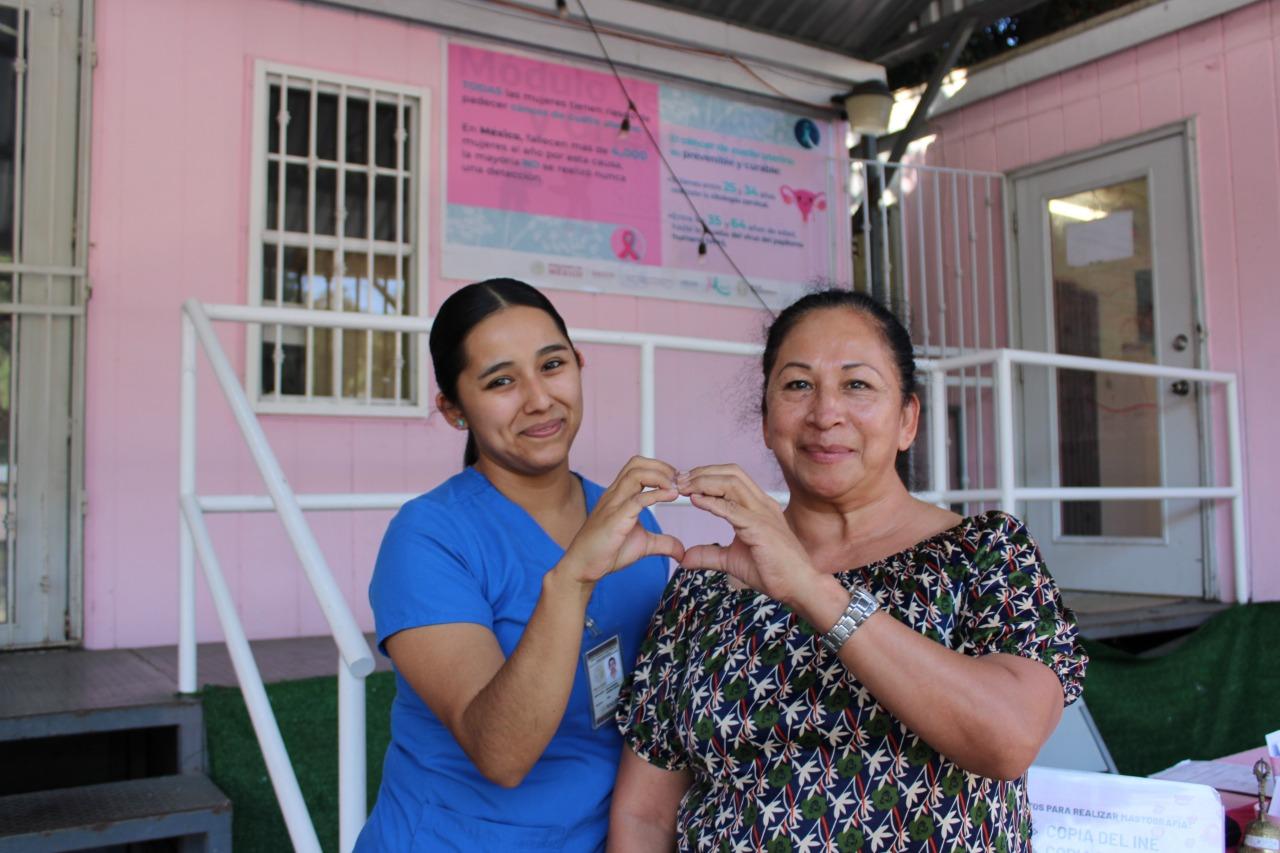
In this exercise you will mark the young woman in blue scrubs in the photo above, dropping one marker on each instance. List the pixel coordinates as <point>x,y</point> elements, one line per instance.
<point>503,595</point>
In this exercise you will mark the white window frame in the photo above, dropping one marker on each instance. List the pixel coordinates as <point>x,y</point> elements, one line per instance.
<point>415,269</point>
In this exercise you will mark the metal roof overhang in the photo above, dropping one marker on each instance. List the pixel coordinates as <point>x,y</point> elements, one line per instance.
<point>655,38</point>
<point>885,32</point>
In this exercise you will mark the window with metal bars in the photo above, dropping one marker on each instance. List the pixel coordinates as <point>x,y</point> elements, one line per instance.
<point>337,230</point>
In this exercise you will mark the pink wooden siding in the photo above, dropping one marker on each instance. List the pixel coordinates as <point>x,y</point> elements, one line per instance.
<point>169,220</point>
<point>170,204</point>
<point>1222,73</point>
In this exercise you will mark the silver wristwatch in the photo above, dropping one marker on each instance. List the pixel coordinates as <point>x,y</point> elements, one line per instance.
<point>860,608</point>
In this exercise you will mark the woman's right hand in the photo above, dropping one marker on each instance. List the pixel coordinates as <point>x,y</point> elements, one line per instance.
<point>765,553</point>
<point>612,536</point>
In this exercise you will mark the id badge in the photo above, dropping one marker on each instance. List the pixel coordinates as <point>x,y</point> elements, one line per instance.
<point>604,675</point>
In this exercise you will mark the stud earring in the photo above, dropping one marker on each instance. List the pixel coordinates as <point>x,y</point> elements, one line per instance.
<point>461,423</point>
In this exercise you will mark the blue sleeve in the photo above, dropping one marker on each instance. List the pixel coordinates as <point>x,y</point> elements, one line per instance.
<point>425,575</point>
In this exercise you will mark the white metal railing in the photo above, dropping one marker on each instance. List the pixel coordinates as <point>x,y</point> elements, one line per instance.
<point>356,660</point>
<point>1008,492</point>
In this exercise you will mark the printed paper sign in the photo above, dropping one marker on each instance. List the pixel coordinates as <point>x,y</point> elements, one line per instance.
<point>1078,812</point>
<point>1107,239</point>
<point>1273,751</point>
<point>541,185</point>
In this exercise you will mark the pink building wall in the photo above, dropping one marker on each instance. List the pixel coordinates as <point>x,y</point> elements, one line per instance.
<point>173,111</point>
<point>1225,74</point>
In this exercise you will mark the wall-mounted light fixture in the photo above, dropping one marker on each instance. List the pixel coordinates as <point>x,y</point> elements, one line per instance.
<point>868,105</point>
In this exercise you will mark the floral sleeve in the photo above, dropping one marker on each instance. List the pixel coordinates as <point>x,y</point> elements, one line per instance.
<point>1013,606</point>
<point>647,710</point>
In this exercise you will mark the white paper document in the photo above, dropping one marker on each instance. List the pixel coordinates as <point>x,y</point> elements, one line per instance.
<point>1273,751</point>
<point>1100,241</point>
<point>1076,811</point>
<point>1237,778</point>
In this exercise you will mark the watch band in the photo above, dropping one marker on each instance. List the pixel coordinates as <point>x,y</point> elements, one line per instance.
<point>860,608</point>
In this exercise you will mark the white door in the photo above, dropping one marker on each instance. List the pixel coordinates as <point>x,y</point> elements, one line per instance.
<point>42,294</point>
<point>1105,269</point>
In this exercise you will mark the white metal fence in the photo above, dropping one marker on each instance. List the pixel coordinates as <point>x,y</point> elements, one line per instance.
<point>355,658</point>
<point>930,246</point>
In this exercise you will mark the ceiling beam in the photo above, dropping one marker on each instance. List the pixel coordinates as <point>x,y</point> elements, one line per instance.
<point>959,38</point>
<point>930,37</point>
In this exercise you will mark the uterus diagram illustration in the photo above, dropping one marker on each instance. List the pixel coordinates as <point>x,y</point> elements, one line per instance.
<point>806,201</point>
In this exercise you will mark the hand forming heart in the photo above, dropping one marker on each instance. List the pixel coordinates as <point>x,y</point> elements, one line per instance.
<point>765,554</point>
<point>612,536</point>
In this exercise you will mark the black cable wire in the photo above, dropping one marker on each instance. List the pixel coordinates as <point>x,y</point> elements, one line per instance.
<point>644,125</point>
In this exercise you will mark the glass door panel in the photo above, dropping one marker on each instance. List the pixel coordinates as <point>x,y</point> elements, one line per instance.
<point>1103,307</point>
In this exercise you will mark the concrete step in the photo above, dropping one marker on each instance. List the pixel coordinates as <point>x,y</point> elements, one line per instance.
<point>92,816</point>
<point>1107,615</point>
<point>71,699</point>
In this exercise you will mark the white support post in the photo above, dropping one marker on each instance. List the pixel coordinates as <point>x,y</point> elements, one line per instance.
<point>187,488</point>
<point>352,781</point>
<point>298,821</point>
<point>1239,543</point>
<point>938,479</point>
<point>1004,434</point>
<point>648,441</point>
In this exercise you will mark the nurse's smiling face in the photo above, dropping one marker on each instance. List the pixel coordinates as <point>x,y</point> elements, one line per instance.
<point>520,392</point>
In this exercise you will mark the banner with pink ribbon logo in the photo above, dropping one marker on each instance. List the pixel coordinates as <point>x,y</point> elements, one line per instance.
<point>541,183</point>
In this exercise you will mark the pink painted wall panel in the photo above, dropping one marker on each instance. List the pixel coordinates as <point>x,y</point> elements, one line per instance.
<point>1117,69</point>
<point>1203,41</point>
<point>1079,83</point>
<point>1158,56</point>
<point>1246,25</point>
<point>1160,99</point>
<point>173,113</point>
<point>1082,124</point>
<point>1045,136</point>
<point>1044,94</point>
<point>1120,112</point>
<point>1012,145</point>
<point>1224,74</point>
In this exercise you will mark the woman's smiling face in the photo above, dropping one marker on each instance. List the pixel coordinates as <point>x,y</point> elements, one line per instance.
<point>521,391</point>
<point>835,417</point>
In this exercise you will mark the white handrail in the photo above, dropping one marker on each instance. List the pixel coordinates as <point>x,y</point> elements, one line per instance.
<point>355,659</point>
<point>285,782</point>
<point>1009,492</point>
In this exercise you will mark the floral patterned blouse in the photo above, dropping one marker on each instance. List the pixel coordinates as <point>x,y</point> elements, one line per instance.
<point>787,749</point>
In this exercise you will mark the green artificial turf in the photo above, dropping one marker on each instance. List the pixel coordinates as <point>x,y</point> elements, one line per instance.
<point>307,712</point>
<point>1215,694</point>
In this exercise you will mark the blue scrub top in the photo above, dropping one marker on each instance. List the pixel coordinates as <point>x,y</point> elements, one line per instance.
<point>465,553</point>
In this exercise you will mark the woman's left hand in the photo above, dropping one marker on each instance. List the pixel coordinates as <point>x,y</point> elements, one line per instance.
<point>765,554</point>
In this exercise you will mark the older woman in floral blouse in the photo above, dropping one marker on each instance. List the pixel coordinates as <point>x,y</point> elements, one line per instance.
<point>861,671</point>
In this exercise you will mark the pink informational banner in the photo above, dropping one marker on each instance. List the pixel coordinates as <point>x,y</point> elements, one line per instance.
<point>542,139</point>
<point>541,184</point>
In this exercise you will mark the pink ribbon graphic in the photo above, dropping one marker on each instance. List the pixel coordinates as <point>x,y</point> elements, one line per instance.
<point>628,251</point>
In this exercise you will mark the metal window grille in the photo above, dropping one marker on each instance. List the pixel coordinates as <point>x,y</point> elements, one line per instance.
<point>45,81</point>
<point>339,205</point>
